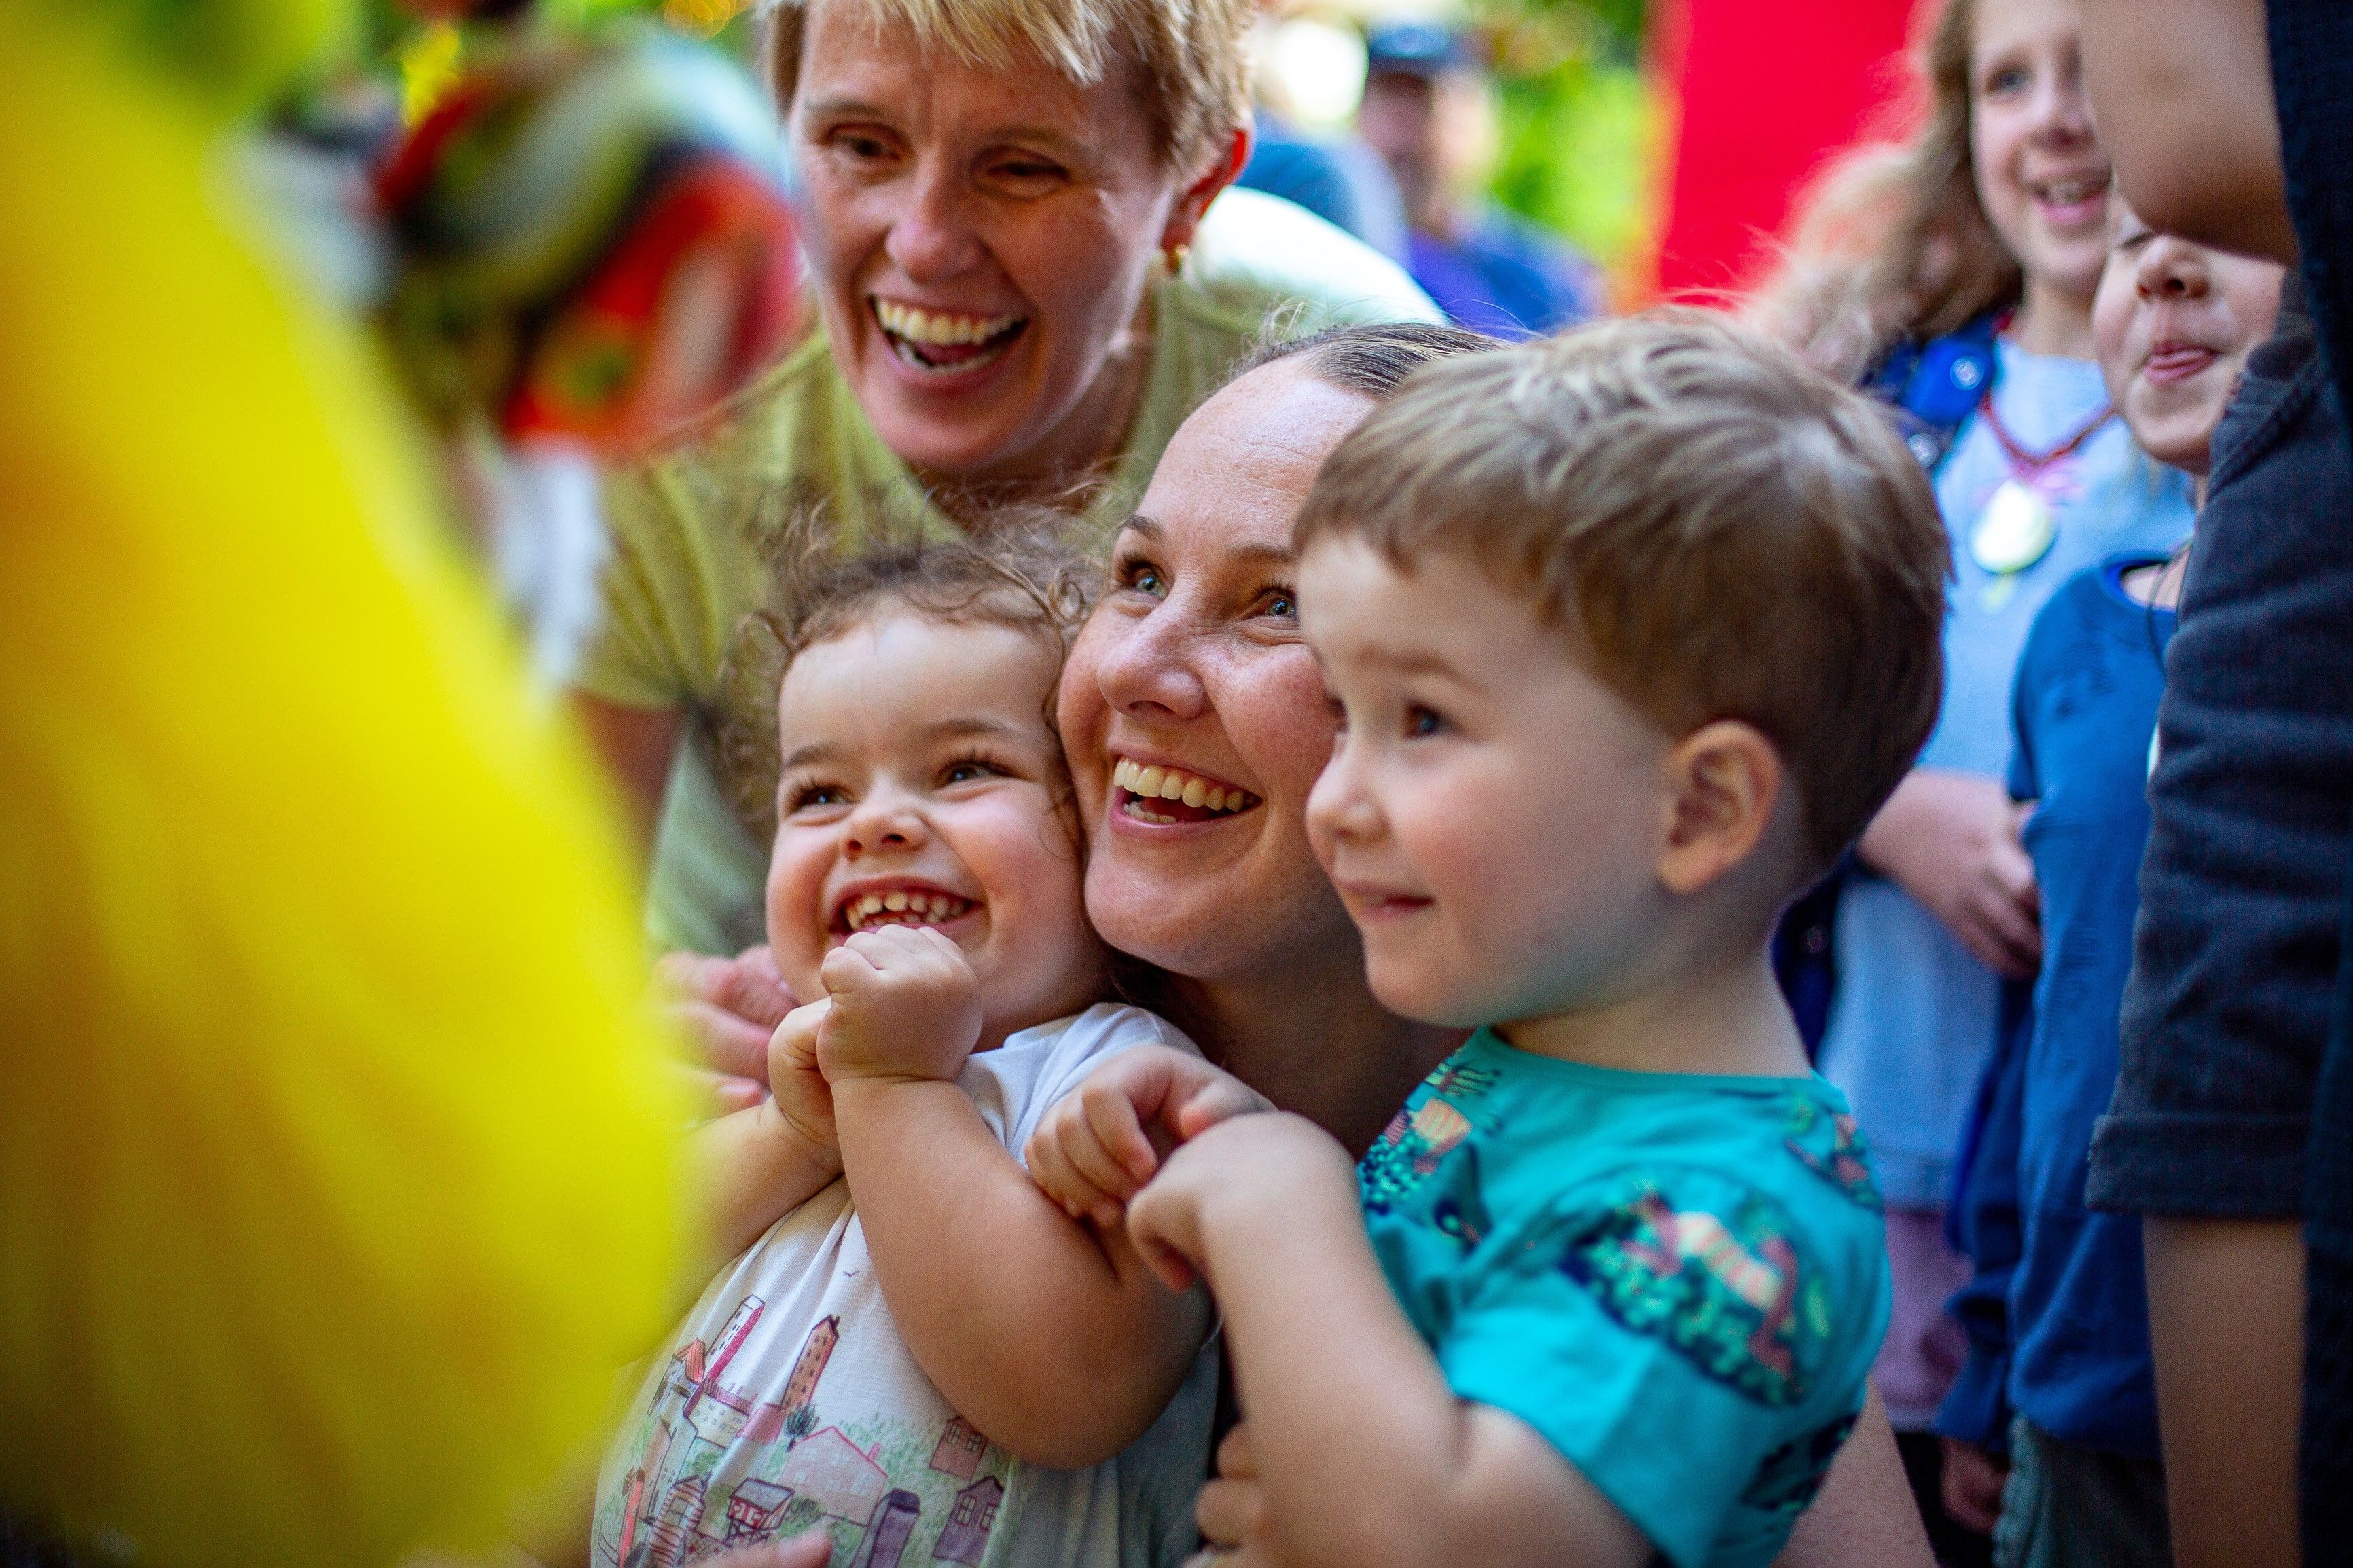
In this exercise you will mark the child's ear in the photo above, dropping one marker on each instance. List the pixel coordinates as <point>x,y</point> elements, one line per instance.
<point>1723,780</point>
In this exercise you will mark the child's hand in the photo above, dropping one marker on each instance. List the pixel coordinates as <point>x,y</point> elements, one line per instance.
<point>1232,1508</point>
<point>903,1002</point>
<point>1103,1141</point>
<point>1270,1158</point>
<point>802,1098</point>
<point>1951,841</point>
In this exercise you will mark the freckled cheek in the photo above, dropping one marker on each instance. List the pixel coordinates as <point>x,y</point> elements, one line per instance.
<point>1281,727</point>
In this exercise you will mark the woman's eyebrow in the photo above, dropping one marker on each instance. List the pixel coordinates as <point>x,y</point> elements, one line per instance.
<point>1150,529</point>
<point>844,107</point>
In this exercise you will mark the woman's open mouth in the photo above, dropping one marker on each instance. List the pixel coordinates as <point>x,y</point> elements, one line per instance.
<point>913,905</point>
<point>940,342</point>
<point>1161,794</point>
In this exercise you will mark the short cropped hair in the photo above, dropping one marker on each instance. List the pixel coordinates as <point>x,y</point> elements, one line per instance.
<point>1193,55</point>
<point>1370,358</point>
<point>1719,530</point>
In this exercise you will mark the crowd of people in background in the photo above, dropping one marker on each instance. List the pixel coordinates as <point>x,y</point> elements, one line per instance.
<point>1323,907</point>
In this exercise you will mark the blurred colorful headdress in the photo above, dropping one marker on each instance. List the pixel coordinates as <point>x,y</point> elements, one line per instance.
<point>590,243</point>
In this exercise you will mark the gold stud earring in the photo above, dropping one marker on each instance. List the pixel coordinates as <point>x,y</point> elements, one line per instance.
<point>1173,258</point>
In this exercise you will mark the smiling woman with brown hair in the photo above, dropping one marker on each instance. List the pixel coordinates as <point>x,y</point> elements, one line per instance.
<point>1024,285</point>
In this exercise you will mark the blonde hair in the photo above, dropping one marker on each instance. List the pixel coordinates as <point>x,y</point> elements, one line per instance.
<point>1891,243</point>
<point>1720,531</point>
<point>1193,55</point>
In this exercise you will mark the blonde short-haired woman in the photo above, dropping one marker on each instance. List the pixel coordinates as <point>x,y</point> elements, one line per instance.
<point>1028,268</point>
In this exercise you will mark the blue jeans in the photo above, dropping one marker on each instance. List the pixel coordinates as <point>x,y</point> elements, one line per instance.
<point>2066,1506</point>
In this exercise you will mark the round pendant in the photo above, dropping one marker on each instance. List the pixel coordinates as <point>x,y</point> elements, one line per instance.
<point>2014,532</point>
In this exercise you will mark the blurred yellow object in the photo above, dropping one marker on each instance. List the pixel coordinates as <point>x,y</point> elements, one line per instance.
<point>337,1168</point>
<point>430,67</point>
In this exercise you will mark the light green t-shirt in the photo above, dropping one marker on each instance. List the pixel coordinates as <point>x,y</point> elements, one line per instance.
<point>693,530</point>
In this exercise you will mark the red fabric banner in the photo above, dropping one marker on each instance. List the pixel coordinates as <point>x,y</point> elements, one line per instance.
<point>1761,94</point>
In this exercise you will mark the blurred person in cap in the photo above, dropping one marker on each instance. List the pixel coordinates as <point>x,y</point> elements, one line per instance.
<point>1430,110</point>
<point>1339,178</point>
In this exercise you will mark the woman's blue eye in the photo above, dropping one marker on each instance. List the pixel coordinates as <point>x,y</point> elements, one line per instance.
<point>1147,579</point>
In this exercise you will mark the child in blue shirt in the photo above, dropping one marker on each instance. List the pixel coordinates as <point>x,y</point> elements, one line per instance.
<point>2060,1332</point>
<point>1632,630</point>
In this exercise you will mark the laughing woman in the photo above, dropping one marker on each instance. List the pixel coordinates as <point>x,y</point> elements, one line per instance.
<point>1023,287</point>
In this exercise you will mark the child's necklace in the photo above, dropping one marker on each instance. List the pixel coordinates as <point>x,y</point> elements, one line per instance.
<point>2016,529</point>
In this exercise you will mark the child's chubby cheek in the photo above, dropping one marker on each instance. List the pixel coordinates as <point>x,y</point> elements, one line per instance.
<point>798,921</point>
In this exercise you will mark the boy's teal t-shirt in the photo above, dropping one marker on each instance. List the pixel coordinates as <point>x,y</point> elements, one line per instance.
<point>1677,1281</point>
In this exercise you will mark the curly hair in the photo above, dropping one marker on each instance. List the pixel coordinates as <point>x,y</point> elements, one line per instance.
<point>1016,570</point>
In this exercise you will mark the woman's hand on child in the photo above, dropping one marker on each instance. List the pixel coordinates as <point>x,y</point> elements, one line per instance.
<point>901,1002</point>
<point>1104,1140</point>
<point>727,1009</point>
<point>1951,841</point>
<point>1270,1158</point>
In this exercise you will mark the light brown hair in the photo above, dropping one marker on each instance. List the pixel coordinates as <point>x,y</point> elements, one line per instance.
<point>1719,531</point>
<point>1892,243</point>
<point>1020,572</point>
<point>1192,57</point>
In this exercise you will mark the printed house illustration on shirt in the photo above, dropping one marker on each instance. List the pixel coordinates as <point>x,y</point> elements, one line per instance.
<point>664,1505</point>
<point>679,1504</point>
<point>965,1537</point>
<point>960,1450</point>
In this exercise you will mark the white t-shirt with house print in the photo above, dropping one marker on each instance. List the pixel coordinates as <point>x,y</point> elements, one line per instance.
<point>786,1400</point>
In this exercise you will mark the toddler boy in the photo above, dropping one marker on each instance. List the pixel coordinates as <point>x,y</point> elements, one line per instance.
<point>1632,630</point>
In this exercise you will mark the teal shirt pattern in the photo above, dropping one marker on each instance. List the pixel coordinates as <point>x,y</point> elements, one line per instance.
<point>1679,1281</point>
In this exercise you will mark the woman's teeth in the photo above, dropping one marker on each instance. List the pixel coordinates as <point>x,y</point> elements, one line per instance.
<point>903,908</point>
<point>942,341</point>
<point>1156,782</point>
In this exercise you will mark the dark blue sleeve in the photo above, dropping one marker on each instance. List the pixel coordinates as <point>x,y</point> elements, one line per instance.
<point>2242,886</point>
<point>1983,1224</point>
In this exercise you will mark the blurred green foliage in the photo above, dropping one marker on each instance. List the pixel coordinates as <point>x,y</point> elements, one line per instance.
<point>1578,144</point>
<point>1580,123</point>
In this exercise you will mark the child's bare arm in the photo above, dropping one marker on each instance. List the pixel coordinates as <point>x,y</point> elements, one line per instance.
<point>1054,1340</point>
<point>1362,1454</point>
<point>754,1166</point>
